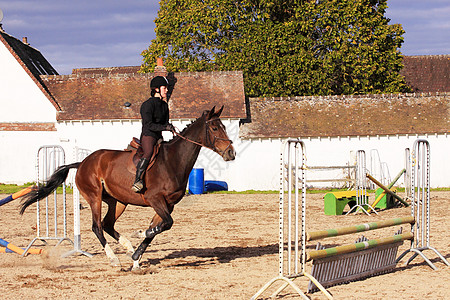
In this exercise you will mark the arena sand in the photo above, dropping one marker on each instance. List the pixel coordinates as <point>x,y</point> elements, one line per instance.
<point>221,246</point>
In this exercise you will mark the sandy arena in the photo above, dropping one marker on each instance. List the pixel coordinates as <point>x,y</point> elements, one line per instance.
<point>220,247</point>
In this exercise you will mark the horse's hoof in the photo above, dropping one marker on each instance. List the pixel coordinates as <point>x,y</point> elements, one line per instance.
<point>136,267</point>
<point>115,262</point>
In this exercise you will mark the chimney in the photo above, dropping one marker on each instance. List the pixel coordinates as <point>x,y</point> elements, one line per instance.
<point>160,70</point>
<point>25,40</point>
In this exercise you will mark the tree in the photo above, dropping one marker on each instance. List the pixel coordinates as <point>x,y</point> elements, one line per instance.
<point>284,48</point>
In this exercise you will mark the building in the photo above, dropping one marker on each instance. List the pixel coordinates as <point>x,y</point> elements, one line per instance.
<point>96,108</point>
<point>99,108</point>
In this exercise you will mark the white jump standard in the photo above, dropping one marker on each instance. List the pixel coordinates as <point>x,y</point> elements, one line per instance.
<point>349,262</point>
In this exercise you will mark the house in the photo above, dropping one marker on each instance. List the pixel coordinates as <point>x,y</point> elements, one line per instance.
<point>96,108</point>
<point>99,108</point>
<point>334,128</point>
<point>427,73</point>
<point>27,114</point>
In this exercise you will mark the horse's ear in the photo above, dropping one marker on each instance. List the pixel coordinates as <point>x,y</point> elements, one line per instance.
<point>211,112</point>
<point>219,111</point>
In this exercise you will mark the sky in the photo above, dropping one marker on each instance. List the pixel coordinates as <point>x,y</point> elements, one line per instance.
<point>112,33</point>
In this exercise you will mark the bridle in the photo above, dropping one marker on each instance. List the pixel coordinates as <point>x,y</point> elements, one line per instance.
<point>212,145</point>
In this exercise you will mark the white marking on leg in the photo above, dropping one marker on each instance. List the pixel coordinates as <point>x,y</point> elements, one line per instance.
<point>126,244</point>
<point>112,257</point>
<point>136,265</point>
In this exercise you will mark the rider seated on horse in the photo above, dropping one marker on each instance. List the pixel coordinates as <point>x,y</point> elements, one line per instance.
<point>155,119</point>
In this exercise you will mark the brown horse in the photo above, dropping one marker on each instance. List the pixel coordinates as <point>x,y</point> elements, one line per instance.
<point>103,176</point>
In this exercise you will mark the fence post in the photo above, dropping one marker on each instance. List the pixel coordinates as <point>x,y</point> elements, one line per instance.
<point>79,154</point>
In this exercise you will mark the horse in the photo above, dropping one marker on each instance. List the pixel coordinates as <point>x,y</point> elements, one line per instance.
<point>105,176</point>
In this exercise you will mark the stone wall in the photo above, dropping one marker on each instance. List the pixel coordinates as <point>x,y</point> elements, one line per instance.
<point>331,116</point>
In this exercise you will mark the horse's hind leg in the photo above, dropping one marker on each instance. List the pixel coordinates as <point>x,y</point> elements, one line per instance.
<point>115,210</point>
<point>92,193</point>
<point>97,228</point>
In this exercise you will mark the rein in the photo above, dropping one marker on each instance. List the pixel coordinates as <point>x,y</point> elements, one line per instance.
<point>191,141</point>
<point>213,148</point>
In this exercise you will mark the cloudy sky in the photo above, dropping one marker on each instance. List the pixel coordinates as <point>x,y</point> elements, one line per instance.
<point>110,33</point>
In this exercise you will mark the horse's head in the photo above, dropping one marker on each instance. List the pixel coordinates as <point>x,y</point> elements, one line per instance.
<point>216,135</point>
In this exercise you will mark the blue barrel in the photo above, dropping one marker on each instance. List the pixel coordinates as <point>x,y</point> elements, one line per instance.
<point>196,181</point>
<point>215,186</point>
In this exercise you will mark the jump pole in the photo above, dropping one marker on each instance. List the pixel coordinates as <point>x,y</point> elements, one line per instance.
<point>316,254</point>
<point>16,195</point>
<point>320,234</point>
<point>387,190</point>
<point>8,248</point>
<point>389,187</point>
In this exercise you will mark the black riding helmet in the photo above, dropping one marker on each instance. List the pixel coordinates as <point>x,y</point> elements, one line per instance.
<point>158,81</point>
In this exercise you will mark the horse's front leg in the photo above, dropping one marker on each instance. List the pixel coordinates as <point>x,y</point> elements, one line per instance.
<point>158,225</point>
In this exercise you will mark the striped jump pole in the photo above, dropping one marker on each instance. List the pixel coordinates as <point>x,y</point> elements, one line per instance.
<point>364,258</point>
<point>16,195</point>
<point>317,254</point>
<point>320,234</point>
<point>420,203</point>
<point>10,248</point>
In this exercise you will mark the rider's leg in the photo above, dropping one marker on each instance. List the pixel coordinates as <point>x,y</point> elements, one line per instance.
<point>148,143</point>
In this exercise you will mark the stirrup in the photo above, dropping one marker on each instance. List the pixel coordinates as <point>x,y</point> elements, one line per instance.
<point>137,186</point>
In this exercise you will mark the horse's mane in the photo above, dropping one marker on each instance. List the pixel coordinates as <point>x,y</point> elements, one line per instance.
<point>176,137</point>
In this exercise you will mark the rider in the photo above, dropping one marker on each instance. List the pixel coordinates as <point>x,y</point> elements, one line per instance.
<point>155,119</point>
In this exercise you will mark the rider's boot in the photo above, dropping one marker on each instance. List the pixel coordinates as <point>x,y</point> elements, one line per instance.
<point>138,184</point>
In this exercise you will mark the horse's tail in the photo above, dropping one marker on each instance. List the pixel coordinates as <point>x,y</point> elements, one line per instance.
<point>55,180</point>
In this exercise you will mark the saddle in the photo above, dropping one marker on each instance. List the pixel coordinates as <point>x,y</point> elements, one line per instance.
<point>136,153</point>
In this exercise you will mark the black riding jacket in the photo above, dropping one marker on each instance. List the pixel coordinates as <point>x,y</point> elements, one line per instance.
<point>155,117</point>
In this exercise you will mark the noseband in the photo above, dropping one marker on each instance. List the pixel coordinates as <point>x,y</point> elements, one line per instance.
<point>212,145</point>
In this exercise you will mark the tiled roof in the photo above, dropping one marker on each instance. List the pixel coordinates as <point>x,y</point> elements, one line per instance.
<point>31,126</point>
<point>348,116</point>
<point>100,94</point>
<point>427,73</point>
<point>106,71</point>
<point>32,61</point>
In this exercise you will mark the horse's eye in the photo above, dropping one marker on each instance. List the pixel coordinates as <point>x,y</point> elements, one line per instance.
<point>215,128</point>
